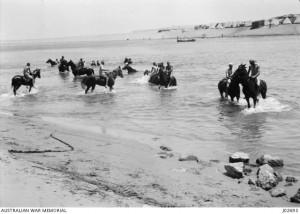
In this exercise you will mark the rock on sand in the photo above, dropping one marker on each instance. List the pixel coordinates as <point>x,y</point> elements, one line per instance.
<point>266,180</point>
<point>268,159</point>
<point>235,170</point>
<point>278,192</point>
<point>188,158</point>
<point>239,157</point>
<point>296,197</point>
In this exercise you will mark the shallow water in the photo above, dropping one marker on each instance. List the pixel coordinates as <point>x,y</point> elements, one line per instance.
<point>190,118</point>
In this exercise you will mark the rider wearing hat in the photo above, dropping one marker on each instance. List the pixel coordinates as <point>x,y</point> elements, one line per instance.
<point>254,71</point>
<point>27,74</point>
<point>228,77</point>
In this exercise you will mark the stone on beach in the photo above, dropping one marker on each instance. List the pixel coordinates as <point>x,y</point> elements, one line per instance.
<point>165,148</point>
<point>235,170</point>
<point>296,197</point>
<point>279,176</point>
<point>266,167</point>
<point>251,181</point>
<point>268,159</point>
<point>188,158</point>
<point>278,192</point>
<point>290,179</point>
<point>239,157</point>
<point>266,180</point>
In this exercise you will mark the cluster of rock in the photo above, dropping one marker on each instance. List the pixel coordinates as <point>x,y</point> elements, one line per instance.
<point>267,177</point>
<point>166,153</point>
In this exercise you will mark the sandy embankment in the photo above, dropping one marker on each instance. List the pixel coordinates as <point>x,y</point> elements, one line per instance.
<point>105,170</point>
<point>280,30</point>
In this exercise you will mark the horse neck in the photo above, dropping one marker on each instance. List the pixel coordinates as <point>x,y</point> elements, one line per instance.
<point>113,74</point>
<point>73,66</point>
<point>243,80</point>
<point>34,74</point>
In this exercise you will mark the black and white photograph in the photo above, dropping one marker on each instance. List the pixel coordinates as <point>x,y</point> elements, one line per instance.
<point>149,104</point>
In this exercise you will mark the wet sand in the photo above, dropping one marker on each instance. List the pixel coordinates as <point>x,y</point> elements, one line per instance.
<point>78,168</point>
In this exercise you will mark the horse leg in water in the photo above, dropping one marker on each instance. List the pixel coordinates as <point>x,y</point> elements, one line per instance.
<point>16,87</point>
<point>255,100</point>
<point>93,88</point>
<point>247,98</point>
<point>87,89</point>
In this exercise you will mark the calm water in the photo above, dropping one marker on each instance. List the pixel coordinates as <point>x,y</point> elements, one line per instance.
<point>191,118</point>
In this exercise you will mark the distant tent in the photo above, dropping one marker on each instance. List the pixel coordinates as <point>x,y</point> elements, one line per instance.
<point>286,21</point>
<point>257,24</point>
<point>297,21</point>
<point>219,26</point>
<point>274,22</point>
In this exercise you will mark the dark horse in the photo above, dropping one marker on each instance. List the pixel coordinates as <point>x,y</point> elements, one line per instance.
<point>249,86</point>
<point>91,81</point>
<point>129,69</point>
<point>19,80</point>
<point>63,67</point>
<point>53,63</point>
<point>162,79</point>
<point>80,71</point>
<point>233,89</point>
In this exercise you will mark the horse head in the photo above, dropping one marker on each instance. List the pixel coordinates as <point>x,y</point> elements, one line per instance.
<point>119,72</point>
<point>37,73</point>
<point>48,61</point>
<point>241,71</point>
<point>72,64</point>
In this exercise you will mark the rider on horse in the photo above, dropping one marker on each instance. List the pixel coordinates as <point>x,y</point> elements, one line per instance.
<point>154,69</point>
<point>255,72</point>
<point>228,77</point>
<point>27,74</point>
<point>80,64</point>
<point>169,71</point>
<point>101,74</point>
<point>63,61</point>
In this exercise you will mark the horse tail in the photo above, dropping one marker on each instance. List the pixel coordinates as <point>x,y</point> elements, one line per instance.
<point>264,89</point>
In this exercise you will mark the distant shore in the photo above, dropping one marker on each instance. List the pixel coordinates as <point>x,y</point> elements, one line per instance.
<point>108,171</point>
<point>280,30</point>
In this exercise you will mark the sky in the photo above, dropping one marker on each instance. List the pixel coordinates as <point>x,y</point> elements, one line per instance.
<point>38,19</point>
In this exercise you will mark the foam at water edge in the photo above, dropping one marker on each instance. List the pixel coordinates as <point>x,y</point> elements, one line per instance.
<point>20,93</point>
<point>169,88</point>
<point>142,80</point>
<point>268,105</point>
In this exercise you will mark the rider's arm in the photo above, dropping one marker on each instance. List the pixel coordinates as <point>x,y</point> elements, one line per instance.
<point>258,72</point>
<point>249,69</point>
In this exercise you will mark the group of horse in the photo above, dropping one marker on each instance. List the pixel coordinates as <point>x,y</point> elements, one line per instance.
<point>250,89</point>
<point>91,80</point>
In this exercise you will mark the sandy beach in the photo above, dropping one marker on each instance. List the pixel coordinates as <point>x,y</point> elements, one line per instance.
<point>81,168</point>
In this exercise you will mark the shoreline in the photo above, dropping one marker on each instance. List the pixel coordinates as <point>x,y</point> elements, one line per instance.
<point>105,170</point>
